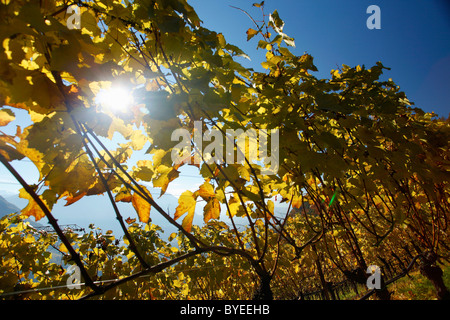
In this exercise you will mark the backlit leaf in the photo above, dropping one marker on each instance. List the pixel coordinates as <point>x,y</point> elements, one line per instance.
<point>206,191</point>
<point>123,196</point>
<point>6,116</point>
<point>251,33</point>
<point>142,206</point>
<point>211,210</point>
<point>186,203</point>
<point>32,209</point>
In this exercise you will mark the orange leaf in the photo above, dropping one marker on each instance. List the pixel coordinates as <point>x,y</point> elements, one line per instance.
<point>129,220</point>
<point>73,89</point>
<point>73,199</point>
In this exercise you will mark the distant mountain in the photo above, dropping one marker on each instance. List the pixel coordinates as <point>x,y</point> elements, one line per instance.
<point>7,207</point>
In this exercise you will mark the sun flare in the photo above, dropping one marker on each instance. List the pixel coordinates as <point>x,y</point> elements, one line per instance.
<point>115,99</point>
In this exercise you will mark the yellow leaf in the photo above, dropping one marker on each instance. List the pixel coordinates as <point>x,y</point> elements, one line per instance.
<point>157,157</point>
<point>206,191</point>
<point>296,201</point>
<point>186,203</point>
<point>233,205</point>
<point>123,196</point>
<point>32,209</point>
<point>6,116</point>
<point>177,283</point>
<point>164,175</point>
<point>142,206</point>
<point>271,208</point>
<point>138,140</point>
<point>151,85</point>
<point>118,125</point>
<point>185,291</point>
<point>63,248</point>
<point>211,210</point>
<point>29,238</point>
<point>8,152</point>
<point>251,33</point>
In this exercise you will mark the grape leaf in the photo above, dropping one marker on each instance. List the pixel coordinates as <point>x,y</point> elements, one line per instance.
<point>251,33</point>
<point>206,191</point>
<point>6,116</point>
<point>211,210</point>
<point>186,203</point>
<point>142,206</point>
<point>32,209</point>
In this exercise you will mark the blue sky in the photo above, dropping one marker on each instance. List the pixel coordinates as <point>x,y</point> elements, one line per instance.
<point>414,39</point>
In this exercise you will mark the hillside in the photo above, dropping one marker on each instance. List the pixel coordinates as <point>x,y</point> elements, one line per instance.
<point>6,207</point>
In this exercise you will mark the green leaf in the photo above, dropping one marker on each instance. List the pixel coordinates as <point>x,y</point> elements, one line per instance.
<point>289,41</point>
<point>171,24</point>
<point>160,105</point>
<point>276,22</point>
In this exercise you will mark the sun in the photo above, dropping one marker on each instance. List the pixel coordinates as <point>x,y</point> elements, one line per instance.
<point>115,99</point>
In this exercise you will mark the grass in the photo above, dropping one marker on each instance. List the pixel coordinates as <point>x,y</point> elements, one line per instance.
<point>412,287</point>
<point>417,287</point>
